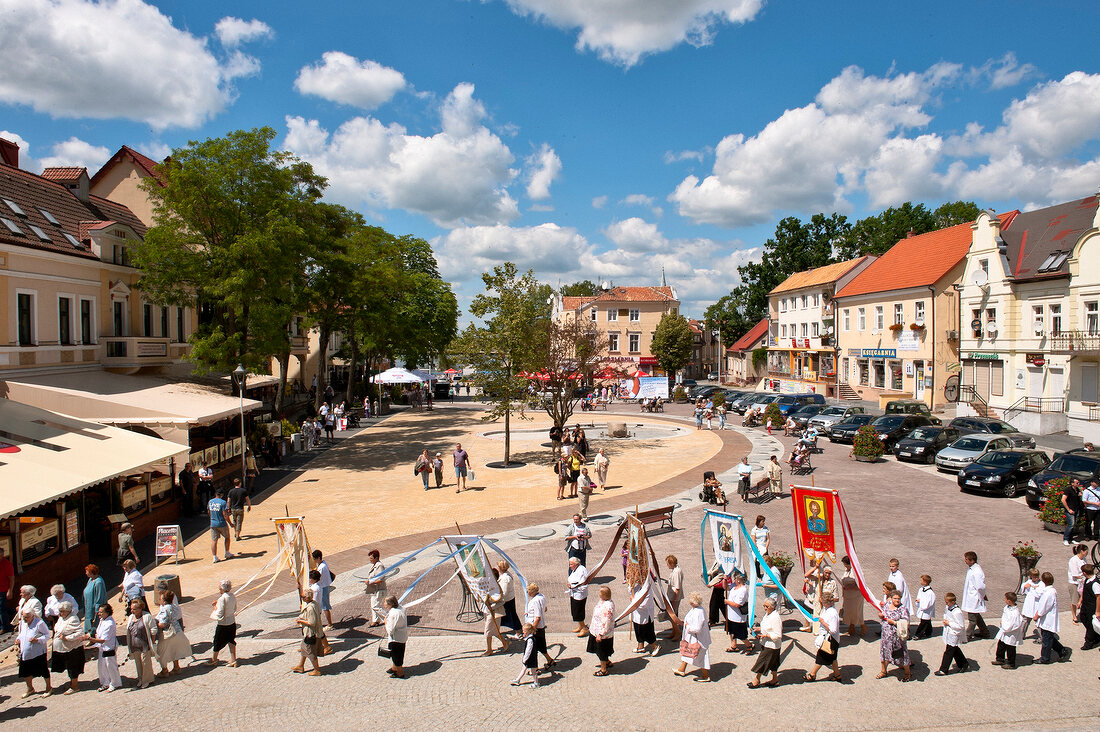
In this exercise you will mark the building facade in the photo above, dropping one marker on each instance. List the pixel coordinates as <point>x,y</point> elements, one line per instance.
<point>741,364</point>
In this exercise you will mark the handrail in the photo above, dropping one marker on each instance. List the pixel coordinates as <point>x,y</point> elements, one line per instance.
<point>969,395</point>
<point>1094,413</point>
<point>1075,340</point>
<point>1038,405</point>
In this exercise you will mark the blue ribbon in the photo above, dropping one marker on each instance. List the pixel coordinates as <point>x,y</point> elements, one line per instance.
<point>519,575</point>
<point>401,599</point>
<point>388,571</point>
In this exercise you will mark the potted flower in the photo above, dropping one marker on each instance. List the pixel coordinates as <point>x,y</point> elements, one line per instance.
<point>680,395</point>
<point>867,447</point>
<point>916,326</point>
<point>783,564</point>
<point>896,326</point>
<point>1027,556</point>
<point>1052,514</point>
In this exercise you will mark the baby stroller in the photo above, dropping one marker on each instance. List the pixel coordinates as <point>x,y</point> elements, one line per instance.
<point>353,418</point>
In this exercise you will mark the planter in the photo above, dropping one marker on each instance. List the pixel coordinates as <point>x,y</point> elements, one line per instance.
<point>865,458</point>
<point>1026,564</point>
<point>1056,528</point>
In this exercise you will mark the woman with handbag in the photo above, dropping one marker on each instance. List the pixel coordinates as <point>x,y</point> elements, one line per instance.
<point>172,645</point>
<point>68,645</point>
<point>695,640</point>
<point>423,468</point>
<point>895,631</point>
<point>141,632</point>
<point>828,640</point>
<point>601,631</point>
<point>106,638</point>
<point>771,638</point>
<point>310,620</point>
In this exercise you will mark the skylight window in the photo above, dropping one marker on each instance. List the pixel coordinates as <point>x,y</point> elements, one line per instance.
<point>39,233</point>
<point>1060,260</point>
<point>15,207</point>
<point>1054,262</point>
<point>49,217</point>
<point>72,240</point>
<point>1047,262</point>
<point>11,226</point>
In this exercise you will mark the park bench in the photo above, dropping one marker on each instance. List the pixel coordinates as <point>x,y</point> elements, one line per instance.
<point>762,489</point>
<point>662,515</point>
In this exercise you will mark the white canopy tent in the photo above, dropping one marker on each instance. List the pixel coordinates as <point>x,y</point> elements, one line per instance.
<point>397,376</point>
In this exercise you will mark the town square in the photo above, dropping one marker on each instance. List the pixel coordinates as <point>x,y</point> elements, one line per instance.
<point>722,364</point>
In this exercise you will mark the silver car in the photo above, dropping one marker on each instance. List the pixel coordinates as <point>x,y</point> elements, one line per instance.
<point>829,416</point>
<point>967,449</point>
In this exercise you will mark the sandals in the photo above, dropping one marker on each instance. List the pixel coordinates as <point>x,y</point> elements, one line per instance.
<point>680,673</point>
<point>701,680</point>
<point>754,685</point>
<point>881,675</point>
<point>835,677</point>
<point>772,684</point>
<point>810,677</point>
<point>600,673</point>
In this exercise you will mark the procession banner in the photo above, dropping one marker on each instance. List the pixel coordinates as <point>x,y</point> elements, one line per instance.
<point>641,548</point>
<point>473,566</point>
<point>726,543</point>
<point>820,519</point>
<point>637,552</point>
<point>293,547</point>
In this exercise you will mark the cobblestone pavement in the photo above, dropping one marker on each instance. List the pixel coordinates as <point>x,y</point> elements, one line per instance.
<point>910,512</point>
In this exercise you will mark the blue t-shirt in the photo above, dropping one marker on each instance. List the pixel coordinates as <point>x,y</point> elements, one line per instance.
<point>216,506</point>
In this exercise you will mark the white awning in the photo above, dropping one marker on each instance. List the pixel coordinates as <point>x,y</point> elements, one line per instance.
<point>397,376</point>
<point>45,456</point>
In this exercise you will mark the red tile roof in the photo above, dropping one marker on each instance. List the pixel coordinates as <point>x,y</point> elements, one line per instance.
<point>916,261</point>
<point>147,164</point>
<point>817,276</point>
<point>622,294</point>
<point>747,341</point>
<point>64,175</point>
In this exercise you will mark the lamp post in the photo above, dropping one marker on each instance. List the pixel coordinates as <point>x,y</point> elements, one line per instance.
<point>240,375</point>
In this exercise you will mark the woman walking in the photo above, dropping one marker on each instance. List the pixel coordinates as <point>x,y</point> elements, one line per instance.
<point>225,617</point>
<point>141,632</point>
<point>310,621</point>
<point>31,644</point>
<point>493,607</point>
<point>895,630</point>
<point>852,606</point>
<point>737,614</point>
<point>601,631</point>
<point>68,646</point>
<point>695,640</point>
<point>106,639</point>
<point>771,636</point>
<point>827,641</point>
<point>602,462</point>
<point>172,644</point>
<point>423,468</point>
<point>510,619</point>
<point>397,634</point>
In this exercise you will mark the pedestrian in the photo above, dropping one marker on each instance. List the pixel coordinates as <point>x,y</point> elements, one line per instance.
<point>555,435</point>
<point>172,644</point>
<point>238,502</point>
<point>141,633</point>
<point>50,611</point>
<point>68,645</point>
<point>1046,618</point>
<point>28,601</point>
<point>954,635</point>
<point>423,467</point>
<point>225,618</point>
<point>187,480</point>
<point>1073,571</point>
<point>561,469</point>
<point>737,615</point>
<point>31,644</point>
<point>1032,588</point>
<point>510,618</point>
<point>576,461</point>
<point>536,616</point>
<point>774,471</point>
<point>580,443</point>
<point>494,606</point>
<point>852,595</point>
<point>675,586</point>
<point>926,608</point>
<point>719,585</point>
<point>642,620</point>
<point>1009,635</point>
<point>1071,504</point>
<point>309,619</point>
<point>771,638</point>
<point>397,636</point>
<point>106,642</point>
<point>95,594</point>
<point>761,537</point>
<point>530,657</point>
<point>578,594</point>
<point>601,463</point>
<point>974,599</point>
<point>827,640</point>
<point>895,631</point>
<point>376,588</point>
<point>1086,610</point>
<point>744,476</point>
<point>126,543</point>
<point>462,465</point>
<point>721,409</point>
<point>695,640</point>
<point>251,472</point>
<point>437,468</point>
<point>698,416</point>
<point>601,638</point>
<point>1090,500</point>
<point>206,482</point>
<point>576,539</point>
<point>625,552</point>
<point>133,584</point>
<point>330,426</point>
<point>898,579</point>
<point>219,523</point>
<point>584,493</point>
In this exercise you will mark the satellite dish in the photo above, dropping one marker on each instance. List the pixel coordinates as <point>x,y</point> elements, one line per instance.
<point>605,286</point>
<point>976,324</point>
<point>980,278</point>
<point>991,328</point>
<point>919,321</point>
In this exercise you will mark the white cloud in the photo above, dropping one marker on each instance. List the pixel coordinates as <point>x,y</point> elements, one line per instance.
<point>903,169</point>
<point>543,168</point>
<point>599,201</point>
<point>623,31</point>
<point>347,80</point>
<point>547,248</point>
<point>232,32</point>
<point>1003,72</point>
<point>109,60</point>
<point>635,234</point>
<point>459,176</point>
<point>76,153</point>
<point>681,155</point>
<point>638,199</point>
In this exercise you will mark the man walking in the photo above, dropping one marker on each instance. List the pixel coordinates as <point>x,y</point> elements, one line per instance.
<point>584,492</point>
<point>187,489</point>
<point>324,585</point>
<point>238,501</point>
<point>462,465</point>
<point>974,598</point>
<point>576,540</point>
<point>219,523</point>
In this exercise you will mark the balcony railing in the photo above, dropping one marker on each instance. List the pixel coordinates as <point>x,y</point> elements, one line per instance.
<point>299,344</point>
<point>1076,341</point>
<point>128,352</point>
<point>1037,405</point>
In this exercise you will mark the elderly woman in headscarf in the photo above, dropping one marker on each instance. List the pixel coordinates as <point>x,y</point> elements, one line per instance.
<point>310,620</point>
<point>141,634</point>
<point>172,644</point>
<point>225,615</point>
<point>68,644</point>
<point>133,583</point>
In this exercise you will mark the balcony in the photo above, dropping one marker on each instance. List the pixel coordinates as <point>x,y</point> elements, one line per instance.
<point>1076,341</point>
<point>299,345</point>
<point>134,353</point>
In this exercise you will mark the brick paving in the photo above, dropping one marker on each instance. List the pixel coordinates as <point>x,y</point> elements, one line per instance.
<point>897,510</point>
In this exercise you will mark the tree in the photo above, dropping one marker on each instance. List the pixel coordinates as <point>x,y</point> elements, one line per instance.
<point>584,288</point>
<point>515,315</point>
<point>876,234</point>
<point>227,241</point>
<point>571,352</point>
<point>956,212</point>
<point>672,342</point>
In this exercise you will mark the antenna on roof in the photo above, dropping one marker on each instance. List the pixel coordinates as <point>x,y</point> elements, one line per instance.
<point>664,283</point>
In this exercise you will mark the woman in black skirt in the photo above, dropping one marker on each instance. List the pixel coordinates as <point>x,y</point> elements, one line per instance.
<point>34,636</point>
<point>828,640</point>
<point>601,631</point>
<point>68,646</point>
<point>771,636</point>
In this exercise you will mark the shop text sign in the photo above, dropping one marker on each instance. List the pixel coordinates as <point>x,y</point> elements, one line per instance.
<point>879,353</point>
<point>984,356</point>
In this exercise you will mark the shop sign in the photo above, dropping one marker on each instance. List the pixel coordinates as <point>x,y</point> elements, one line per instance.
<point>908,340</point>
<point>879,353</point>
<point>1035,359</point>
<point>72,529</point>
<point>857,352</point>
<point>984,356</point>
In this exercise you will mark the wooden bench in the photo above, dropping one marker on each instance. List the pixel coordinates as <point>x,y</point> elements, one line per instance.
<point>762,489</point>
<point>662,515</point>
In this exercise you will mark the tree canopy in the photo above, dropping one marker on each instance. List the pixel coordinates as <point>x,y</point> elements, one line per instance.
<point>672,342</point>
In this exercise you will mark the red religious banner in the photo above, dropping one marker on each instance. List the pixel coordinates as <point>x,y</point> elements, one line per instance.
<point>813,516</point>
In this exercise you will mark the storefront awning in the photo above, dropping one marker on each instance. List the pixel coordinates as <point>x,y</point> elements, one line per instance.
<point>45,456</point>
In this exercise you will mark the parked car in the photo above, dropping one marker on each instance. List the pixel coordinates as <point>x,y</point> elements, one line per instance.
<point>845,430</point>
<point>967,449</point>
<point>827,417</point>
<point>1002,471</point>
<point>802,415</point>
<point>702,391</point>
<point>922,444</point>
<point>988,425</point>
<point>793,402</point>
<point>713,376</point>
<point>892,427</point>
<point>742,405</point>
<point>1073,464</point>
<point>688,384</point>
<point>733,395</point>
<point>911,406</point>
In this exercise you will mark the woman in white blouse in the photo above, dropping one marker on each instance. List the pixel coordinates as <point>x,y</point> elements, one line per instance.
<point>106,639</point>
<point>771,635</point>
<point>68,645</point>
<point>225,616</point>
<point>828,640</point>
<point>172,644</point>
<point>695,641</point>
<point>397,633</point>
<point>601,631</point>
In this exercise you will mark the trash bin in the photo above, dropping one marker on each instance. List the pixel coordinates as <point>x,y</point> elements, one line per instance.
<point>167,582</point>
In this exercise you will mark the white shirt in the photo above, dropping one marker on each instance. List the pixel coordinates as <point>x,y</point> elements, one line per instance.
<point>326,576</point>
<point>1047,609</point>
<point>771,630</point>
<point>107,632</point>
<point>226,611</point>
<point>578,590</point>
<point>1032,591</point>
<point>830,626</point>
<point>644,612</point>
<point>973,599</point>
<point>581,532</point>
<point>744,470</point>
<point>536,611</point>
<point>52,603</point>
<point>33,639</point>
<point>584,483</point>
<point>32,602</point>
<point>899,581</point>
<point>953,633</point>
<point>738,596</point>
<point>926,603</point>
<point>760,538</point>
<point>397,626</point>
<point>1011,624</point>
<point>132,584</point>
<point>507,587</point>
<point>1074,570</point>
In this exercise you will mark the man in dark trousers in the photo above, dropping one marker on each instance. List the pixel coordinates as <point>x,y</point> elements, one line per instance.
<point>187,488</point>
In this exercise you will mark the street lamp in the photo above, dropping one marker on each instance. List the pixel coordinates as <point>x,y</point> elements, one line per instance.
<point>240,375</point>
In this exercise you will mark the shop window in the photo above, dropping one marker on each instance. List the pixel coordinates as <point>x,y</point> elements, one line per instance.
<point>895,375</point>
<point>844,370</point>
<point>864,373</point>
<point>879,369</point>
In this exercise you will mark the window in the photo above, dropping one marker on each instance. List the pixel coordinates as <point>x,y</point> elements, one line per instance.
<point>918,311</point>
<point>783,305</point>
<point>11,225</point>
<point>899,314</point>
<point>991,315</point>
<point>147,320</point>
<point>861,319</point>
<point>15,207</point>
<point>39,233</point>
<point>72,240</point>
<point>895,375</point>
<point>635,315</point>
<point>64,321</point>
<point>594,311</point>
<point>815,300</point>
<point>864,373</point>
<point>847,319</point>
<point>878,369</point>
<point>24,305</point>
<point>635,342</point>
<point>118,316</point>
<point>1092,318</point>
<point>878,317</point>
<point>181,336</point>
<point>49,217</point>
<point>121,255</point>
<point>1037,319</point>
<point>164,322</point>
<point>783,331</point>
<point>803,302</point>
<point>1055,319</point>
<point>612,315</point>
<point>983,264</point>
<point>86,336</point>
<point>805,330</point>
<point>613,342</point>
<point>814,329</point>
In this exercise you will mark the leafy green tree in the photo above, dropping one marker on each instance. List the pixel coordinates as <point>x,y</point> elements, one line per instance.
<point>955,212</point>
<point>570,353</point>
<point>876,234</point>
<point>584,288</point>
<point>672,342</point>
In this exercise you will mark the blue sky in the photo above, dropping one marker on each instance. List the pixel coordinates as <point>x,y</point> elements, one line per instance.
<point>599,139</point>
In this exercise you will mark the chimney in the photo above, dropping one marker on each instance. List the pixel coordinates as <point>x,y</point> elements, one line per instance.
<point>9,153</point>
<point>910,234</point>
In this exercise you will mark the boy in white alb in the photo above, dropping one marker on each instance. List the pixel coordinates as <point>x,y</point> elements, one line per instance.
<point>954,627</point>
<point>1010,635</point>
<point>898,579</point>
<point>926,608</point>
